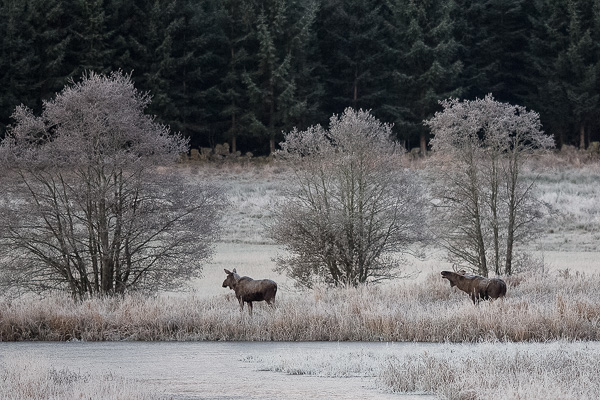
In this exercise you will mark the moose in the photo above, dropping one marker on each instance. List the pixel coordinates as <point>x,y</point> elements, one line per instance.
<point>478,287</point>
<point>249,290</point>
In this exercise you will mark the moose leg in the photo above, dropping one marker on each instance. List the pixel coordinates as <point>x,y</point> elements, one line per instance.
<point>473,297</point>
<point>250,307</point>
<point>241,304</point>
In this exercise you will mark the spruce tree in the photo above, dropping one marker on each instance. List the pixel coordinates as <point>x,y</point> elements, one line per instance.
<point>54,45</point>
<point>128,20</point>
<point>351,36</point>
<point>235,21</point>
<point>18,59</point>
<point>501,51</point>
<point>566,50</point>
<point>307,66</point>
<point>271,82</point>
<point>93,39</point>
<point>579,66</point>
<point>195,71</point>
<point>428,66</point>
<point>548,40</point>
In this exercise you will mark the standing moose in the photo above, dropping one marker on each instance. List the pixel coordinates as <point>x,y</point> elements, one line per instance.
<point>478,287</point>
<point>249,290</point>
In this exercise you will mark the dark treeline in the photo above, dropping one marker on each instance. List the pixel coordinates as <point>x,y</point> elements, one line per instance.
<point>243,71</point>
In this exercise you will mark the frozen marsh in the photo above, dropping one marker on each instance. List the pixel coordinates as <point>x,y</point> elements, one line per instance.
<point>541,342</point>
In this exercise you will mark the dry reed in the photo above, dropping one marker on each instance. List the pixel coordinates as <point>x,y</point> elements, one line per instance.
<point>539,308</point>
<point>544,371</point>
<point>551,373</point>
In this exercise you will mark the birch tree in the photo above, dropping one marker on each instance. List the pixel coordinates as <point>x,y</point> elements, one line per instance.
<point>351,206</point>
<point>485,204</point>
<point>91,203</point>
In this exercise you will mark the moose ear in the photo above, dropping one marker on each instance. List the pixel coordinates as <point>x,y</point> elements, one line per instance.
<point>234,271</point>
<point>228,272</point>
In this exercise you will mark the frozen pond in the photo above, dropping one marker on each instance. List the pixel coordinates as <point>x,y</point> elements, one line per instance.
<point>212,370</point>
<point>345,370</point>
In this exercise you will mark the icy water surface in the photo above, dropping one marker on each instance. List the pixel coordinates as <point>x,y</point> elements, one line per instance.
<point>214,370</point>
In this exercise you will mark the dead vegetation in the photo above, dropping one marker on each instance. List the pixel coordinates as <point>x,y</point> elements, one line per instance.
<point>540,308</point>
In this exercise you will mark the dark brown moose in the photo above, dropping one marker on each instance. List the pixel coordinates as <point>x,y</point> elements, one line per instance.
<point>249,290</point>
<point>478,287</point>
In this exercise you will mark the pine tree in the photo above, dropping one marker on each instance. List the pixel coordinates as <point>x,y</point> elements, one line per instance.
<point>271,83</point>
<point>235,21</point>
<point>568,64</point>
<point>549,37</point>
<point>17,58</point>
<point>579,66</point>
<point>93,47</point>
<point>128,19</point>
<point>351,36</point>
<point>501,52</point>
<point>428,65</point>
<point>54,46</point>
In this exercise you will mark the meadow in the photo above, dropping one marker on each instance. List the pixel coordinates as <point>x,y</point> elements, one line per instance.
<point>540,308</point>
<point>553,299</point>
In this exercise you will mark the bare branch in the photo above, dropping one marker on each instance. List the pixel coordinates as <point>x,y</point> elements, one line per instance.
<point>93,201</point>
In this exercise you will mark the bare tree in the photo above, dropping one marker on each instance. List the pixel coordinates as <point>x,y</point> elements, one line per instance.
<point>92,202</point>
<point>482,195</point>
<point>350,205</point>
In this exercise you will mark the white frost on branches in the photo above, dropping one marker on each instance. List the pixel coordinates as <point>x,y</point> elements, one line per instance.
<point>352,204</point>
<point>484,203</point>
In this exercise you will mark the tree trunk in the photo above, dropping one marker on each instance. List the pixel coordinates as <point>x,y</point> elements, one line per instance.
<point>272,118</point>
<point>582,137</point>
<point>106,264</point>
<point>474,188</point>
<point>510,237</point>
<point>512,213</point>
<point>423,143</point>
<point>355,89</point>
<point>494,209</point>
<point>560,139</point>
<point>483,269</point>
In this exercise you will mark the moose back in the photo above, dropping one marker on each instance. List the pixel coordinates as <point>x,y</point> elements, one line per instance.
<point>477,287</point>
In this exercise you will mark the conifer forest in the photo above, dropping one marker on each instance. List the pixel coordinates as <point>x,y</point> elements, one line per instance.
<point>243,72</point>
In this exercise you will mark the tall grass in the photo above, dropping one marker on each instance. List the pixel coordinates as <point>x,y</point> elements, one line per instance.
<point>499,372</point>
<point>28,377</point>
<point>556,370</point>
<point>537,308</point>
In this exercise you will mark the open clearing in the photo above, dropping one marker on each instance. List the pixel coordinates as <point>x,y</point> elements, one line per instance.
<point>570,238</point>
<point>554,303</point>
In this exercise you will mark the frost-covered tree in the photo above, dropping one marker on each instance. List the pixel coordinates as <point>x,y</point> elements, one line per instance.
<point>90,201</point>
<point>486,205</point>
<point>351,207</point>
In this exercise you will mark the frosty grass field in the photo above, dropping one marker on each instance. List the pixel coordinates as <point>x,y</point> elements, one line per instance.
<point>554,303</point>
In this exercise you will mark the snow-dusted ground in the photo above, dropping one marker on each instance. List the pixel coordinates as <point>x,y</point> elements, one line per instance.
<point>570,238</point>
<point>570,244</point>
<point>557,370</point>
<point>299,370</point>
